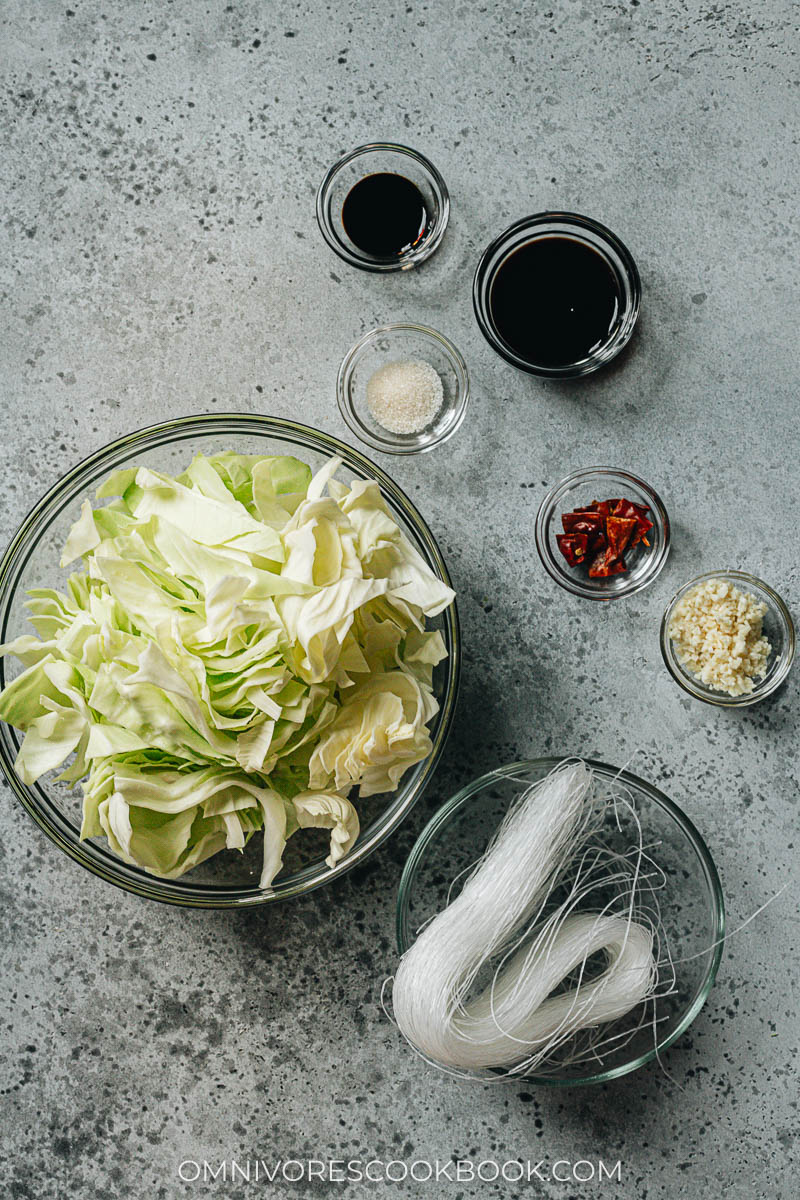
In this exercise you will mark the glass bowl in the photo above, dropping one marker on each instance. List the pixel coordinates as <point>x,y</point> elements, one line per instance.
<point>368,160</point>
<point>229,879</point>
<point>394,343</point>
<point>691,902</point>
<point>580,489</point>
<point>778,628</point>
<point>589,233</point>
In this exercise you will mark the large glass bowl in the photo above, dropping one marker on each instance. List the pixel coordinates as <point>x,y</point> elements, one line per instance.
<point>229,879</point>
<point>691,902</point>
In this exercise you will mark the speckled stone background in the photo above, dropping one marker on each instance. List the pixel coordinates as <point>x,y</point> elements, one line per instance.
<point>160,257</point>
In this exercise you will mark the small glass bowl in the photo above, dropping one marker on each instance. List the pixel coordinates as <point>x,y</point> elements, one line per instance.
<point>581,229</point>
<point>368,160</point>
<point>778,629</point>
<point>691,903</point>
<point>577,491</point>
<point>395,343</point>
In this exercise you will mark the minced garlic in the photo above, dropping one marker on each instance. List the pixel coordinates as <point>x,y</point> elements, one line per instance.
<point>716,629</point>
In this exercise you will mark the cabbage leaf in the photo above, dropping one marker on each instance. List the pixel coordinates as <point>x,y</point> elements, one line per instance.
<point>242,647</point>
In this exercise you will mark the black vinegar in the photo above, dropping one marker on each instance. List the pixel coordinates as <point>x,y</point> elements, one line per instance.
<point>384,214</point>
<point>554,301</point>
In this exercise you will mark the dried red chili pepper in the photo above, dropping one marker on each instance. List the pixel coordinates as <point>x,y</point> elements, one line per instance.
<point>579,522</point>
<point>619,531</point>
<point>626,508</point>
<point>603,507</point>
<point>606,565</point>
<point>573,546</point>
<point>599,533</point>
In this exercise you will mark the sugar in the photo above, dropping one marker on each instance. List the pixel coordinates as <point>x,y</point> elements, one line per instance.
<point>405,396</point>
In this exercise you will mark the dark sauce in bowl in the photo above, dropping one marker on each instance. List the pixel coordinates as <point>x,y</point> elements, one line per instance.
<point>554,301</point>
<point>384,214</point>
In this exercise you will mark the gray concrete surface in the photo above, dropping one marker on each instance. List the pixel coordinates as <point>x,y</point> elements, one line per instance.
<point>160,257</point>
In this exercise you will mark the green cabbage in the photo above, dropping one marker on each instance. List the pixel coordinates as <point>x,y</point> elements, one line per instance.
<point>244,645</point>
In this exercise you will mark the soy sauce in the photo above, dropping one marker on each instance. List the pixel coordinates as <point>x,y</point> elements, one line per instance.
<point>384,214</point>
<point>554,300</point>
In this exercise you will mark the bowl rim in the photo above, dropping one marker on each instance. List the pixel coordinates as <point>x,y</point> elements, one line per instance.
<point>576,587</point>
<point>348,409</point>
<point>430,241</point>
<point>34,799</point>
<point>699,691</point>
<point>481,284</point>
<point>448,810</point>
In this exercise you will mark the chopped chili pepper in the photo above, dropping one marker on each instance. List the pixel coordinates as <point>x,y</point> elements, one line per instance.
<point>605,565</point>
<point>603,507</point>
<point>573,546</point>
<point>626,508</point>
<point>589,523</point>
<point>619,531</point>
<point>599,533</point>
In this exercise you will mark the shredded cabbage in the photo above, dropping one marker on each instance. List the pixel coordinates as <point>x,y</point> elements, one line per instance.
<point>244,645</point>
